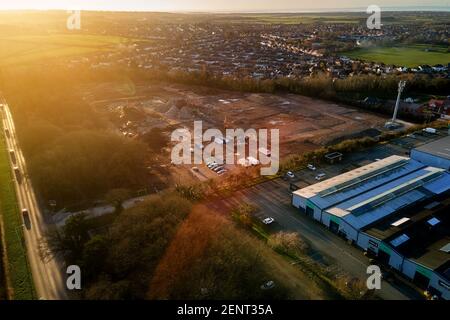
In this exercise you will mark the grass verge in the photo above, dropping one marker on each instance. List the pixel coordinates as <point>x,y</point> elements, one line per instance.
<point>17,265</point>
<point>3,282</point>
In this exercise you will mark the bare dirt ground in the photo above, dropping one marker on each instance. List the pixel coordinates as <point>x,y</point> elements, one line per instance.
<point>304,123</point>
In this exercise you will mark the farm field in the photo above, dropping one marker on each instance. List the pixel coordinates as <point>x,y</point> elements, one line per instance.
<point>25,49</point>
<point>322,18</point>
<point>297,18</point>
<point>409,56</point>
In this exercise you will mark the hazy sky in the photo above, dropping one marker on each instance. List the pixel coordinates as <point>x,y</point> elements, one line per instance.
<point>215,5</point>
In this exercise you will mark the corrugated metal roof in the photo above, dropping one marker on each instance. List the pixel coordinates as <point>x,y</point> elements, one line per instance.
<point>359,222</point>
<point>440,185</point>
<point>366,208</point>
<point>400,189</point>
<point>353,176</point>
<point>363,185</point>
<point>439,148</point>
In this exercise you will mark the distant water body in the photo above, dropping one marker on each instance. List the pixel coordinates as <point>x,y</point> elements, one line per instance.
<point>343,10</point>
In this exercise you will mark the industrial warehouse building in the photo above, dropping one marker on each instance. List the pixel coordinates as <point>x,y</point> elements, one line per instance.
<point>361,203</point>
<point>436,153</point>
<point>416,242</point>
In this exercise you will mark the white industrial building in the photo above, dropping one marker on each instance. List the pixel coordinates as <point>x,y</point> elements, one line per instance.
<point>356,201</point>
<point>315,199</point>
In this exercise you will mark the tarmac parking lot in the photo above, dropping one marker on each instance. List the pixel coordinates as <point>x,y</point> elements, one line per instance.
<point>400,146</point>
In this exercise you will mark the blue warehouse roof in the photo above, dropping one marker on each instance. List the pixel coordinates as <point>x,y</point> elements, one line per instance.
<point>386,199</point>
<point>336,190</point>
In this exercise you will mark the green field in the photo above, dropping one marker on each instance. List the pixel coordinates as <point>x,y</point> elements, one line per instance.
<point>360,18</point>
<point>410,56</point>
<point>16,50</point>
<point>19,271</point>
<point>278,18</point>
<point>303,19</point>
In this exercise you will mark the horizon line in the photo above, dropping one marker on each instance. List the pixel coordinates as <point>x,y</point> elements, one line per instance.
<point>220,11</point>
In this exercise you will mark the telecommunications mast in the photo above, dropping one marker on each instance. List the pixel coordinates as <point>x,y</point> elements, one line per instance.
<point>393,123</point>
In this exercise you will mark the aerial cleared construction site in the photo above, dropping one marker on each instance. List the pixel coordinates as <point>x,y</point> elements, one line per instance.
<point>304,123</point>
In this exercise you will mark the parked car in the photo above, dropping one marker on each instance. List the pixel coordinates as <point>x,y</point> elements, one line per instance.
<point>430,130</point>
<point>268,221</point>
<point>218,168</point>
<point>211,164</point>
<point>221,172</point>
<point>311,167</point>
<point>214,166</point>
<point>268,285</point>
<point>320,176</point>
<point>290,174</point>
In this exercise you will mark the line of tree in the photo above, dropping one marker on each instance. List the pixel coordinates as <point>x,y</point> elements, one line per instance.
<point>318,86</point>
<point>74,154</point>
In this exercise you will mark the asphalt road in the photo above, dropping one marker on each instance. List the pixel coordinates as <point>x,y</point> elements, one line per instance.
<point>48,275</point>
<point>274,200</point>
